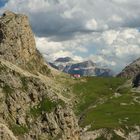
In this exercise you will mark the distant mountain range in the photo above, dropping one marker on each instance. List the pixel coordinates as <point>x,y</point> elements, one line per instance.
<point>86,68</point>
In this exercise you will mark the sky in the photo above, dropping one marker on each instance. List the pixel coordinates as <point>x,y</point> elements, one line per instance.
<point>104,31</point>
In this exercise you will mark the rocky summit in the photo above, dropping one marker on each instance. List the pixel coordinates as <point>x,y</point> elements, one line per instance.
<point>17,43</point>
<point>31,107</point>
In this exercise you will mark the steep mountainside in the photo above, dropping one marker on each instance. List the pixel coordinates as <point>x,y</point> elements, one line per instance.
<point>86,68</point>
<point>17,43</point>
<point>131,70</point>
<point>31,104</point>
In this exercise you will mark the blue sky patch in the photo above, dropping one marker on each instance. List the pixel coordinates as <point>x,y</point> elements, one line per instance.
<point>2,3</point>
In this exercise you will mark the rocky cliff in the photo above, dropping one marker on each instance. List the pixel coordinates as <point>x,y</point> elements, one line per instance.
<point>31,106</point>
<point>131,70</point>
<point>17,43</point>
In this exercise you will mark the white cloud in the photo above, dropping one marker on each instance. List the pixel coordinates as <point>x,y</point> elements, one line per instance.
<point>92,24</point>
<point>110,36</point>
<point>116,18</point>
<point>53,50</point>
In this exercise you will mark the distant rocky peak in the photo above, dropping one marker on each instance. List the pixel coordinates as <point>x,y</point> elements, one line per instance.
<point>88,63</point>
<point>64,59</point>
<point>85,64</point>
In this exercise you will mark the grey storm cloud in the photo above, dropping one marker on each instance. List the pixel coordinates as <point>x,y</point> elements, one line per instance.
<point>55,25</point>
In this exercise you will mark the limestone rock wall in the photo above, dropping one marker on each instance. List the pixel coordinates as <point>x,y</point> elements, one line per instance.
<point>17,43</point>
<point>30,109</point>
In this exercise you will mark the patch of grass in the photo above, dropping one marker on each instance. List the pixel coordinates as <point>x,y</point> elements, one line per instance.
<point>36,64</point>
<point>61,102</point>
<point>93,89</point>
<point>24,83</point>
<point>100,121</point>
<point>101,138</point>
<point>45,105</point>
<point>7,89</point>
<point>18,129</point>
<point>2,68</point>
<point>99,108</point>
<point>112,114</point>
<point>59,136</point>
<point>35,111</point>
<point>123,90</point>
<point>45,70</point>
<point>117,137</point>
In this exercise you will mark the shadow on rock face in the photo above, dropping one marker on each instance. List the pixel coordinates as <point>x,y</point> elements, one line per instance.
<point>136,81</point>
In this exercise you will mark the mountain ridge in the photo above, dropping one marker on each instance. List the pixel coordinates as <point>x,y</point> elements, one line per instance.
<point>85,68</point>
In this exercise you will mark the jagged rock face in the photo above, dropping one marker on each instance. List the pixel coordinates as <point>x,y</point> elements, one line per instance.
<point>136,81</point>
<point>30,107</point>
<point>131,70</point>
<point>17,43</point>
<point>22,94</point>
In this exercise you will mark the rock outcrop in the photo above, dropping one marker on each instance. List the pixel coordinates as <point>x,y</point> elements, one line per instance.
<point>17,43</point>
<point>6,133</point>
<point>136,81</point>
<point>116,134</point>
<point>131,70</point>
<point>30,106</point>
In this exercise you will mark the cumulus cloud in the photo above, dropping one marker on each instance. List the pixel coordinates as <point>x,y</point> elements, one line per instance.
<point>105,31</point>
<point>53,50</point>
<point>121,47</point>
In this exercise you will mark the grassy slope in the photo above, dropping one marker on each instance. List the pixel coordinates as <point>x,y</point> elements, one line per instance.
<point>99,107</point>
